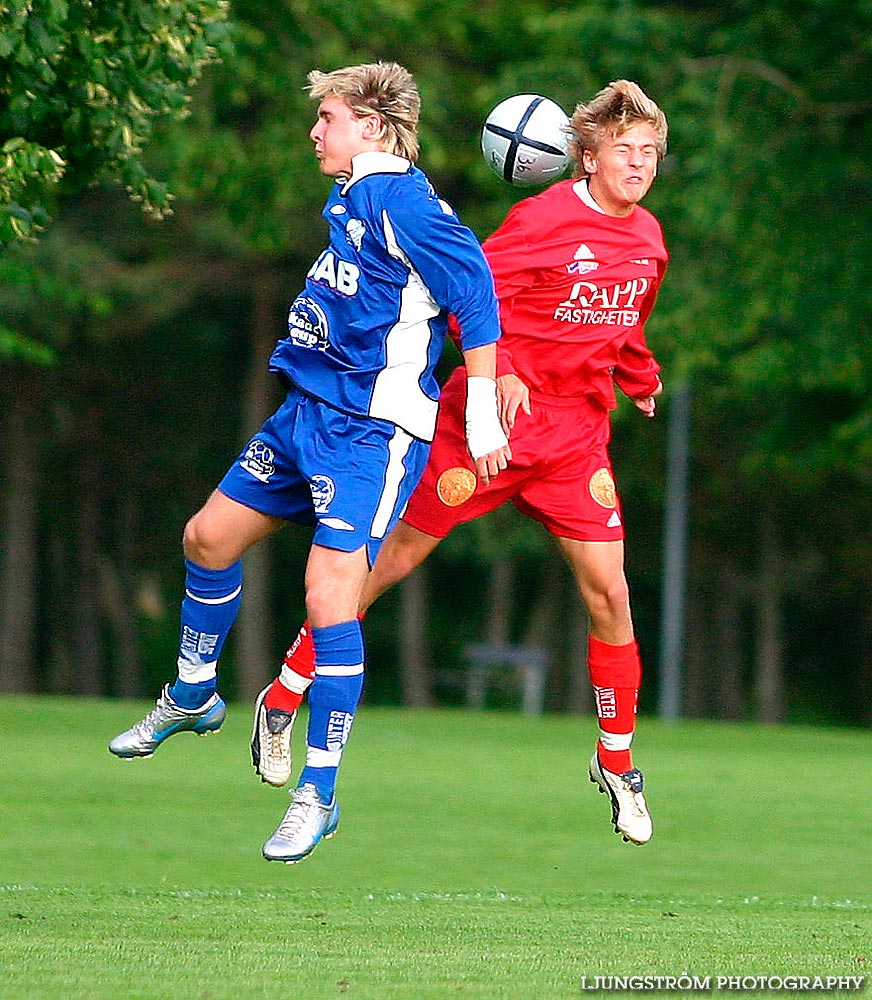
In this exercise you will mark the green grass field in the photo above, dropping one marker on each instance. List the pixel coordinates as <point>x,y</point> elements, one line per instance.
<point>473,860</point>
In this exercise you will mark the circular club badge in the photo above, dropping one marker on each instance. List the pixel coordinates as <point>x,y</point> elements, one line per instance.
<point>455,486</point>
<point>602,489</point>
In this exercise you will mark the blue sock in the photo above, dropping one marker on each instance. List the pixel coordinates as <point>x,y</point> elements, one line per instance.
<point>209,609</point>
<point>187,695</point>
<point>333,699</point>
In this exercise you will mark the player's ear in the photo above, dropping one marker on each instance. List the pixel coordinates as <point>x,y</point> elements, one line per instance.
<point>588,161</point>
<point>373,127</point>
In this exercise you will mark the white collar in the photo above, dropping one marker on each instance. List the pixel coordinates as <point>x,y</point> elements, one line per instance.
<point>375,162</point>
<point>583,191</point>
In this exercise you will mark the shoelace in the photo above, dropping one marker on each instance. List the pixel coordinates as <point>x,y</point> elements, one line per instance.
<point>635,795</point>
<point>636,806</point>
<point>275,747</point>
<point>303,804</point>
<point>148,723</point>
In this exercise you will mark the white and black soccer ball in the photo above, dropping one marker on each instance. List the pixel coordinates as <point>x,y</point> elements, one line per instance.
<point>524,140</point>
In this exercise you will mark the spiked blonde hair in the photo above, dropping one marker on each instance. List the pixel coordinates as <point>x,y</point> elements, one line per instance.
<point>617,107</point>
<point>382,88</point>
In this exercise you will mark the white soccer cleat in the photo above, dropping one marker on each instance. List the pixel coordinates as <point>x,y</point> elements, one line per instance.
<point>271,742</point>
<point>630,815</point>
<point>307,822</point>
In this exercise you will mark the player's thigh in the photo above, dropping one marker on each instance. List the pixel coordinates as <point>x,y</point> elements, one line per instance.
<point>223,529</point>
<point>334,583</point>
<point>575,496</point>
<point>266,475</point>
<point>598,568</point>
<point>361,473</point>
<point>405,548</point>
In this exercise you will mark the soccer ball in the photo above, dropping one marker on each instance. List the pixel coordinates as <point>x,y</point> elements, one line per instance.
<point>524,140</point>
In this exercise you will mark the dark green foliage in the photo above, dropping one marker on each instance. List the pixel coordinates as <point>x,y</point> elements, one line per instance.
<point>83,84</point>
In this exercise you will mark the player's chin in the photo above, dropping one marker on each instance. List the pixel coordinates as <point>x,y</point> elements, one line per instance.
<point>636,190</point>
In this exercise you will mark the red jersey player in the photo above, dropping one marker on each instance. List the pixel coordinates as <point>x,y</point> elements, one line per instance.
<point>577,269</point>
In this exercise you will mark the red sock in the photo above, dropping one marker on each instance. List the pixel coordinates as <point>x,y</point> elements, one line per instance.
<point>615,673</point>
<point>297,672</point>
<point>295,676</point>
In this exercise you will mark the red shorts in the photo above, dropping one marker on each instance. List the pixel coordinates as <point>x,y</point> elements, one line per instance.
<point>560,474</point>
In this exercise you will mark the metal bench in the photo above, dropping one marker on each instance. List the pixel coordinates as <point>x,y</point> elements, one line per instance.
<point>488,664</point>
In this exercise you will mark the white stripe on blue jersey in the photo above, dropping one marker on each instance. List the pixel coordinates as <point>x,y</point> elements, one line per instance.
<point>397,391</point>
<point>366,332</point>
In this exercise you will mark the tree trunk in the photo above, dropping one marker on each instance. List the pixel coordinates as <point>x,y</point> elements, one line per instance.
<point>119,600</point>
<point>727,664</point>
<point>60,614</point>
<point>254,636</point>
<point>580,697</point>
<point>701,638</point>
<point>544,627</point>
<point>414,648</point>
<point>117,607</point>
<point>89,667</point>
<point>863,683</point>
<point>673,639</point>
<point>769,653</point>
<point>498,628</point>
<point>19,560</point>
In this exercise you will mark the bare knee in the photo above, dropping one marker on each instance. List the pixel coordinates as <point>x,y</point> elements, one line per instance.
<point>327,606</point>
<point>324,607</point>
<point>609,608</point>
<point>334,581</point>
<point>204,544</point>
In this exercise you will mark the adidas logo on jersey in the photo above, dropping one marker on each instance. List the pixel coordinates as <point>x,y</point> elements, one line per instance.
<point>583,261</point>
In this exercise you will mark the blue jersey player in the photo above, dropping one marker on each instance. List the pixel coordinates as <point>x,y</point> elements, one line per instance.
<point>346,448</point>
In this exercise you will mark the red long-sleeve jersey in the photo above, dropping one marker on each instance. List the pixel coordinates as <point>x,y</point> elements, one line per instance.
<point>575,288</point>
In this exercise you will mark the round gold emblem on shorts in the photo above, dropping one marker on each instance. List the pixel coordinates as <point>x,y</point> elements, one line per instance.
<point>455,486</point>
<point>602,489</point>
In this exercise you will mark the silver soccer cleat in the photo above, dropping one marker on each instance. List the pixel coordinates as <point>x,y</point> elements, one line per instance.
<point>271,742</point>
<point>165,720</point>
<point>630,816</point>
<point>307,822</point>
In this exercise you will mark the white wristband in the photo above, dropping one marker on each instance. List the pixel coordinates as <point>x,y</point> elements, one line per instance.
<point>484,433</point>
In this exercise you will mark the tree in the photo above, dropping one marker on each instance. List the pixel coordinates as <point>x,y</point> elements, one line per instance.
<point>84,83</point>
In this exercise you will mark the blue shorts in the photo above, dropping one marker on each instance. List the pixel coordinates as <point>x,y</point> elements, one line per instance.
<point>351,477</point>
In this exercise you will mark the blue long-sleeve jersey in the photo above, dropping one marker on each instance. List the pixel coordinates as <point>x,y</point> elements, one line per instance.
<point>366,332</point>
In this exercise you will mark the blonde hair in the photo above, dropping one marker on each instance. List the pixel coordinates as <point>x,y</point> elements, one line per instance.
<point>617,107</point>
<point>382,88</point>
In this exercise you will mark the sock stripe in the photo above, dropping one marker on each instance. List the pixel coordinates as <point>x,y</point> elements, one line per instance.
<point>338,669</point>
<point>319,757</point>
<point>196,673</point>
<point>294,682</point>
<point>616,741</point>
<point>214,600</point>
